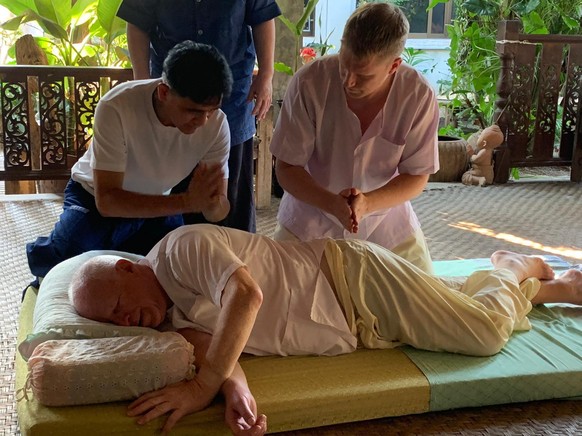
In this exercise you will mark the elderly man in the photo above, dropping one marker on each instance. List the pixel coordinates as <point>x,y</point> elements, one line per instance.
<point>235,292</point>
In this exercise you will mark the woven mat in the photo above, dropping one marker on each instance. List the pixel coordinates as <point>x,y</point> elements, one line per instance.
<point>458,221</point>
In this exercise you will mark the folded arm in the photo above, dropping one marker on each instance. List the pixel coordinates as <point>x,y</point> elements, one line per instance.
<point>206,193</point>
<point>217,367</point>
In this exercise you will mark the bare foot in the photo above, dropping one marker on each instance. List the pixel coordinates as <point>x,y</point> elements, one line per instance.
<point>566,288</point>
<point>523,266</point>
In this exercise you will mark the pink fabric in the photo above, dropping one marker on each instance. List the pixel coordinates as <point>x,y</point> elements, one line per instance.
<point>317,130</point>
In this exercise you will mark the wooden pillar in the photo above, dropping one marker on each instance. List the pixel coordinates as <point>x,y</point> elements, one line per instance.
<point>264,162</point>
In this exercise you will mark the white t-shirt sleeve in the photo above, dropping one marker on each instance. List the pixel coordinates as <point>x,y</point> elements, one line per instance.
<point>109,147</point>
<point>202,261</point>
<point>220,148</point>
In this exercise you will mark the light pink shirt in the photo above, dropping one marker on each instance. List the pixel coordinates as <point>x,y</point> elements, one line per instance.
<point>299,314</point>
<point>317,130</point>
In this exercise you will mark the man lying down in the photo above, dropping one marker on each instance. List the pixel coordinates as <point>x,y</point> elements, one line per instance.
<point>232,292</point>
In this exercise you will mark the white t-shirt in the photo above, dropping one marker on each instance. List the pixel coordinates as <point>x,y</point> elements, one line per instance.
<point>129,138</point>
<point>318,131</point>
<point>299,314</point>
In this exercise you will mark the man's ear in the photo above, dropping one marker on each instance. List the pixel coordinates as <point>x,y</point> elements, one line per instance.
<point>124,265</point>
<point>395,64</point>
<point>163,89</point>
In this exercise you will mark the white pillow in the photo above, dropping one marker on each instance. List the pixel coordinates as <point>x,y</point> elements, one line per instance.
<point>74,372</point>
<point>54,315</point>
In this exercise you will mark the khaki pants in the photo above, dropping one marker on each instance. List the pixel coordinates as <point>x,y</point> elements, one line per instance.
<point>414,248</point>
<point>388,302</point>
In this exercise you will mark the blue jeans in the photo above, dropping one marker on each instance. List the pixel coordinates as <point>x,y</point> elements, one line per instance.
<point>82,228</point>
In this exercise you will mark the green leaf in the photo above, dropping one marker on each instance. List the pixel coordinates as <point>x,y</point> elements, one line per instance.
<point>433,3</point>
<point>283,68</point>
<point>570,23</point>
<point>107,15</point>
<point>57,11</point>
<point>17,7</point>
<point>14,23</point>
<point>482,7</point>
<point>289,24</point>
<point>309,7</point>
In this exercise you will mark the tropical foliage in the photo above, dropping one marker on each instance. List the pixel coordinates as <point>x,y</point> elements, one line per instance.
<point>76,32</point>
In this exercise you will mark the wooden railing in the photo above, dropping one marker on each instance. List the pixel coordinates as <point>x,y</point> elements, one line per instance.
<point>541,76</point>
<point>47,124</point>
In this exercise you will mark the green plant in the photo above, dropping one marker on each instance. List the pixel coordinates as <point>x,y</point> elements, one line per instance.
<point>297,31</point>
<point>76,32</point>
<point>417,58</point>
<point>473,61</point>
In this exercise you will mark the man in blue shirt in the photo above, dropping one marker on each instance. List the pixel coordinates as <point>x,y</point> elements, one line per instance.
<point>241,31</point>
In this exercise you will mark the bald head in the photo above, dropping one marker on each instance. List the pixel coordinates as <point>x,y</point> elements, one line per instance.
<point>89,282</point>
<point>113,289</point>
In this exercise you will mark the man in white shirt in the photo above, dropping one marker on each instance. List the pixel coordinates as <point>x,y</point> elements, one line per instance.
<point>356,140</point>
<point>148,136</point>
<point>234,292</point>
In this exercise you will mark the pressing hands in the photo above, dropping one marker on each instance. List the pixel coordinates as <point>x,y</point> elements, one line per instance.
<point>206,192</point>
<point>350,207</point>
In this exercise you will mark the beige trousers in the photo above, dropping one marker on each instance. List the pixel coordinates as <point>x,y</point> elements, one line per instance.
<point>388,302</point>
<point>414,248</point>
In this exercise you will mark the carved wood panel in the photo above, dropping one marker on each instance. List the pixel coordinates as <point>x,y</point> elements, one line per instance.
<point>571,102</point>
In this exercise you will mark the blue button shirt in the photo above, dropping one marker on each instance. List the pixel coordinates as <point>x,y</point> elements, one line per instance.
<point>226,24</point>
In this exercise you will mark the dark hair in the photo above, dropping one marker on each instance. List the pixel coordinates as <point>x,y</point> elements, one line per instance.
<point>198,72</point>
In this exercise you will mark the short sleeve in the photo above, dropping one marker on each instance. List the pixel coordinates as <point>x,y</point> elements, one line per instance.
<point>140,13</point>
<point>294,137</point>
<point>220,149</point>
<point>259,11</point>
<point>109,147</point>
<point>420,155</point>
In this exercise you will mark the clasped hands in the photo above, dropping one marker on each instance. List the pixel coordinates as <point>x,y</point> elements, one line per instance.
<point>206,191</point>
<point>349,208</point>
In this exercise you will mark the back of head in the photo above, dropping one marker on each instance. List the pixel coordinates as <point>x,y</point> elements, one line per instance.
<point>198,72</point>
<point>376,29</point>
<point>92,279</point>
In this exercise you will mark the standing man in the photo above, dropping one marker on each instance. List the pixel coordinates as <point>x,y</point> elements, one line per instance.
<point>148,135</point>
<point>243,31</point>
<point>356,140</point>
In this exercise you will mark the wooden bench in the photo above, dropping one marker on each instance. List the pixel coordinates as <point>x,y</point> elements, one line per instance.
<point>541,76</point>
<point>47,121</point>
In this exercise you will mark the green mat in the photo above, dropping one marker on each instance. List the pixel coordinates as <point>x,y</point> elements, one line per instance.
<point>544,363</point>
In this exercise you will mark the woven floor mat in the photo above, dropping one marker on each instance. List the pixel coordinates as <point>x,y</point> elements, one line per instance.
<point>458,221</point>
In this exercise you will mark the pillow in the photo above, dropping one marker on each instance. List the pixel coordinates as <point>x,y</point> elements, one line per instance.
<point>54,316</point>
<point>75,372</point>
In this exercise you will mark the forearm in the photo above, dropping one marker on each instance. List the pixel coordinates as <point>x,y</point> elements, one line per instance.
<point>124,204</point>
<point>400,189</point>
<point>138,43</point>
<point>301,185</point>
<point>264,39</point>
<point>241,301</point>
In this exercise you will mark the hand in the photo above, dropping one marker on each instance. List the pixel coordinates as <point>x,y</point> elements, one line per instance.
<point>342,210</point>
<point>180,399</point>
<point>359,205</point>
<point>206,187</point>
<point>241,411</point>
<point>262,93</point>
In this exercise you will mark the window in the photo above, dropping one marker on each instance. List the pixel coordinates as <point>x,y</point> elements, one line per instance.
<point>427,24</point>
<point>309,29</point>
<point>423,23</point>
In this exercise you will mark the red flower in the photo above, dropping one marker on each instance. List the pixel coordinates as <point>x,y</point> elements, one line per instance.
<point>307,54</point>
